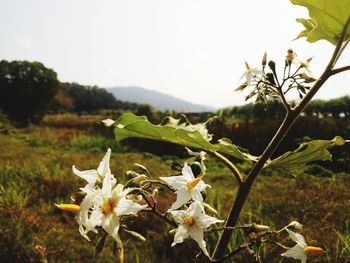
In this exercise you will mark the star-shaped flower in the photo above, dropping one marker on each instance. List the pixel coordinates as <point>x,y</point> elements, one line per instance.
<point>301,250</point>
<point>187,187</point>
<point>192,223</point>
<point>96,176</point>
<point>104,207</point>
<point>250,73</point>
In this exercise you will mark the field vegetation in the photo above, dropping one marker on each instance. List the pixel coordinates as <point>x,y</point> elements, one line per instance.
<point>35,173</point>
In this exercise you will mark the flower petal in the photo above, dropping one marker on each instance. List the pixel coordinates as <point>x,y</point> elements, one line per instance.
<point>196,234</point>
<point>128,207</point>
<point>183,196</point>
<point>297,238</point>
<point>176,182</point>
<point>180,235</point>
<point>179,215</point>
<point>201,186</point>
<point>296,252</point>
<point>187,172</point>
<point>103,167</point>
<point>110,223</point>
<point>196,195</point>
<point>204,221</point>
<point>88,175</point>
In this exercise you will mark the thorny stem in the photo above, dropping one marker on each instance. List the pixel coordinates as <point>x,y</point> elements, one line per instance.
<point>290,118</point>
<point>230,166</point>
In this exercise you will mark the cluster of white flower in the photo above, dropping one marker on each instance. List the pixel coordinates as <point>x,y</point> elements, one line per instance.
<point>193,220</point>
<point>105,201</point>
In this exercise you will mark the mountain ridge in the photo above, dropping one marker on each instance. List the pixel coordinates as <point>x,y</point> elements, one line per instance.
<point>158,100</point>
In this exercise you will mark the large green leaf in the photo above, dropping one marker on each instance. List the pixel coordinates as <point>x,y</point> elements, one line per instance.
<point>307,152</point>
<point>175,131</point>
<point>327,18</point>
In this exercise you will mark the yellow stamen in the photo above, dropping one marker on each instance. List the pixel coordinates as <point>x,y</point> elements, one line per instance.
<point>72,208</point>
<point>247,66</point>
<point>193,183</point>
<point>107,207</point>
<point>188,220</point>
<point>310,250</point>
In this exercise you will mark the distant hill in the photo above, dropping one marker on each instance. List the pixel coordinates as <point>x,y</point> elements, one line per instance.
<point>156,99</point>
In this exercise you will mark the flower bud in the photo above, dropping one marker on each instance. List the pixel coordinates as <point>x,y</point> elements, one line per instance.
<point>272,65</point>
<point>290,56</point>
<point>260,228</point>
<point>172,231</point>
<point>139,179</point>
<point>241,87</point>
<point>296,225</point>
<point>209,209</point>
<point>131,175</point>
<point>264,59</point>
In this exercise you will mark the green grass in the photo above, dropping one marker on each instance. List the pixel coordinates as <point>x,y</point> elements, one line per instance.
<point>35,173</point>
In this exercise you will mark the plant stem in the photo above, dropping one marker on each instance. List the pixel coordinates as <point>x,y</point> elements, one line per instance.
<point>290,118</point>
<point>230,166</point>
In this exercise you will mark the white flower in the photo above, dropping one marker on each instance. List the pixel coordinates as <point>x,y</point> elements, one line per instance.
<point>187,187</point>
<point>301,250</point>
<point>104,207</point>
<point>192,223</point>
<point>250,73</point>
<point>93,176</point>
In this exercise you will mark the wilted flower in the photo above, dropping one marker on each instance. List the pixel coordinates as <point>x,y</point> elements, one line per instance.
<point>187,187</point>
<point>301,250</point>
<point>192,223</point>
<point>94,176</point>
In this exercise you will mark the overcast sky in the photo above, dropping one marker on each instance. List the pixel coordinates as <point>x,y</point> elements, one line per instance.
<point>192,49</point>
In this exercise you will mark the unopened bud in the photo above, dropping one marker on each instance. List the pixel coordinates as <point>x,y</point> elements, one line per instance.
<point>260,228</point>
<point>241,87</point>
<point>137,198</point>
<point>131,174</point>
<point>307,78</point>
<point>247,66</point>
<point>172,231</point>
<point>296,225</point>
<point>209,209</point>
<point>290,55</point>
<point>272,65</point>
<point>139,179</point>
<point>264,59</point>
<point>306,64</point>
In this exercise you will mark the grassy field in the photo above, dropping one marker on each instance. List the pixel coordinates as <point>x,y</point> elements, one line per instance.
<point>35,173</point>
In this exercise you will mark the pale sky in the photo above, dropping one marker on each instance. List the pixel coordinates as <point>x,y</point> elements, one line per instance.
<point>192,49</point>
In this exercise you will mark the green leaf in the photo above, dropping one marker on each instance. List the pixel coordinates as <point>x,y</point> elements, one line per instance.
<point>327,18</point>
<point>175,131</point>
<point>316,150</point>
